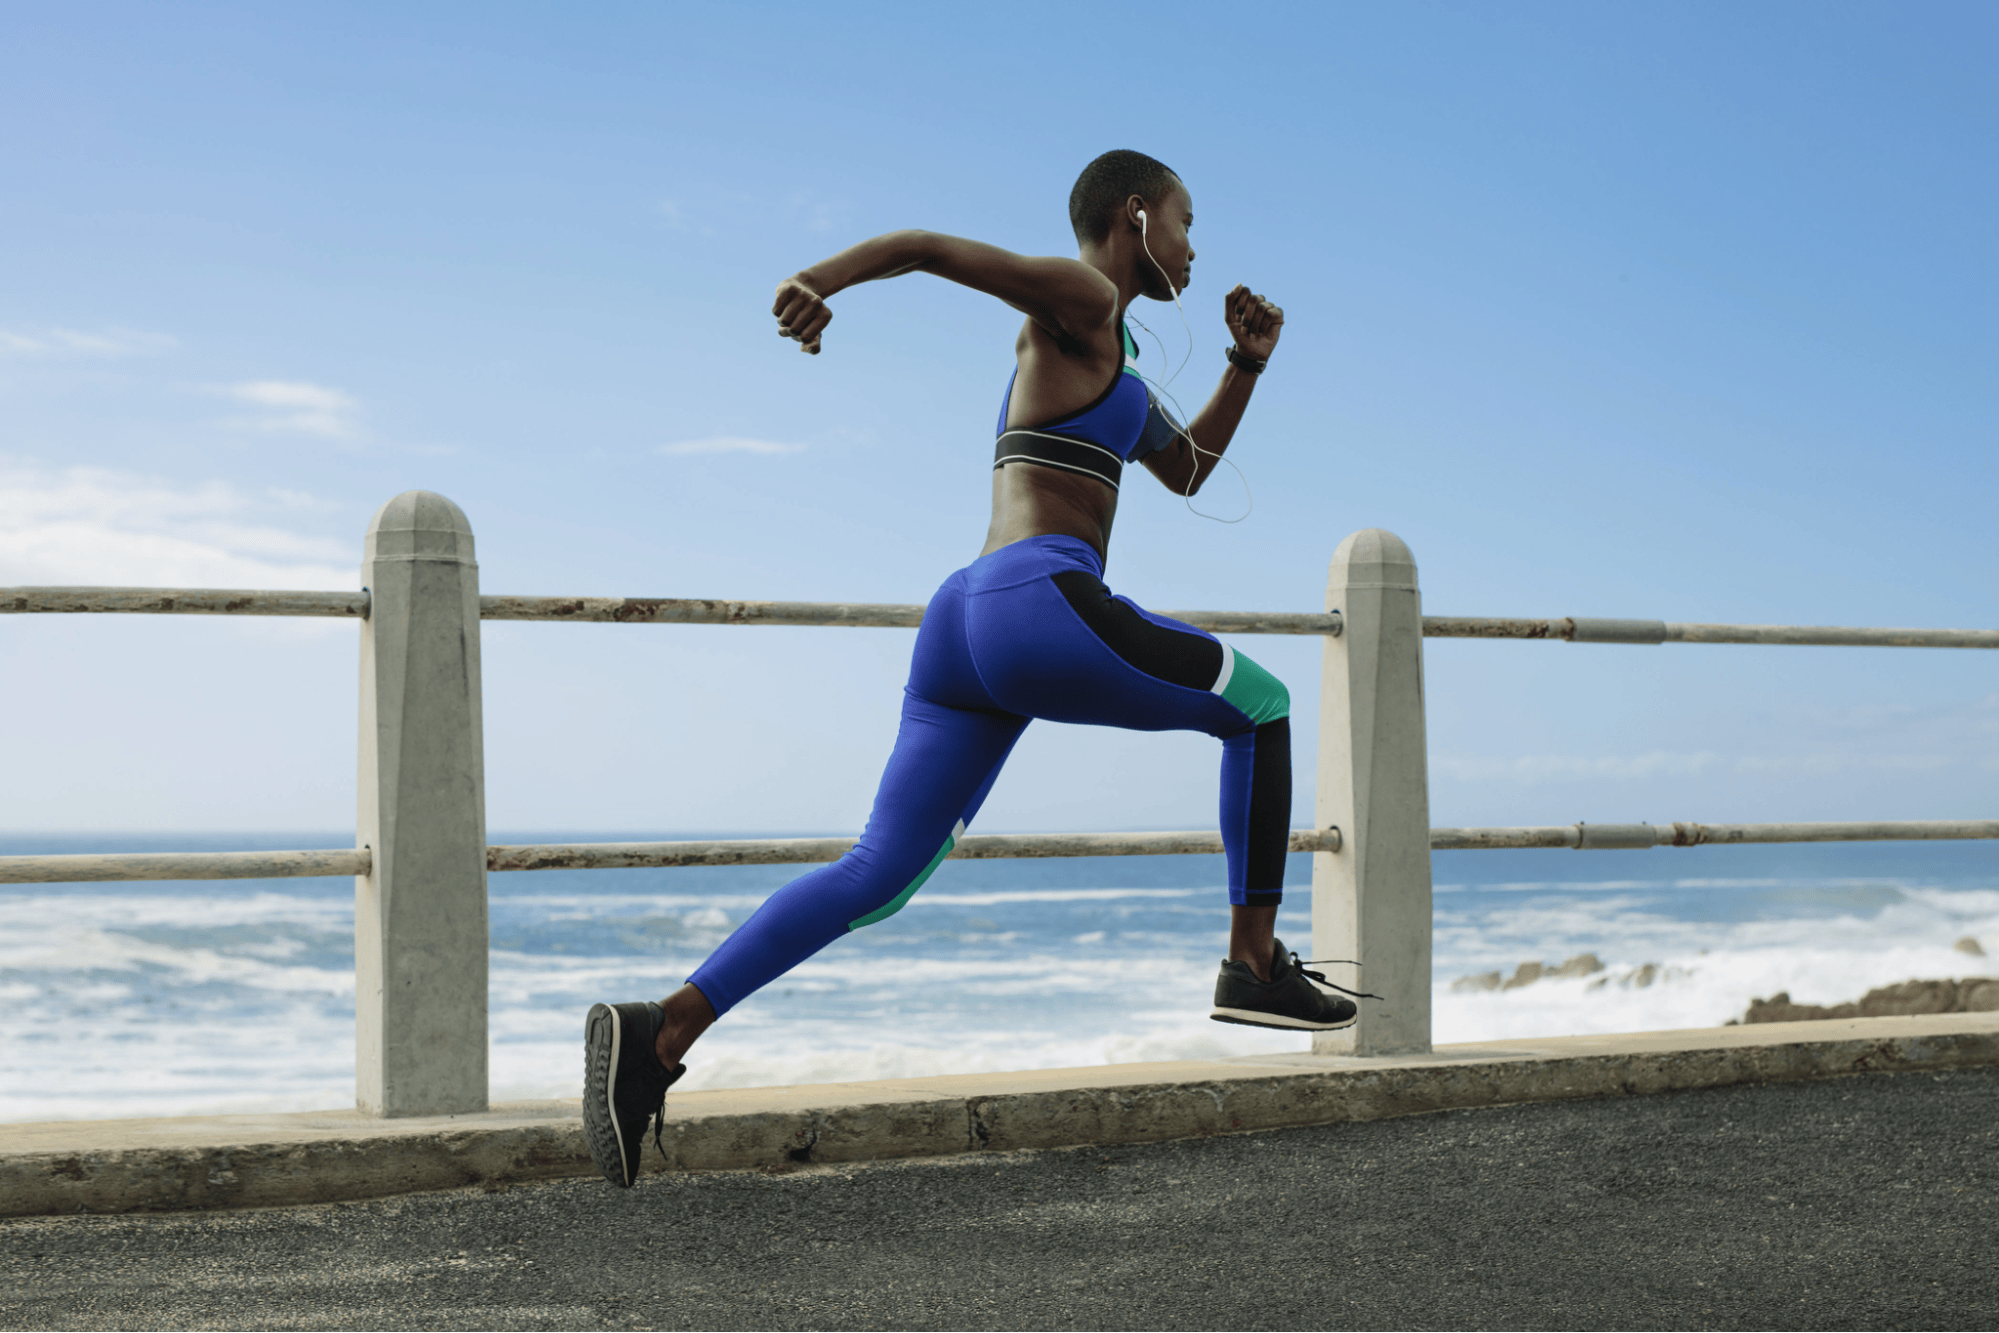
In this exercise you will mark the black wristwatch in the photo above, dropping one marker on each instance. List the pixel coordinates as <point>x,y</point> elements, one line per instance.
<point>1244,361</point>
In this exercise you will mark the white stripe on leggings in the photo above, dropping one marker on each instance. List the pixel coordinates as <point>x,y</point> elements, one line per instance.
<point>1228,669</point>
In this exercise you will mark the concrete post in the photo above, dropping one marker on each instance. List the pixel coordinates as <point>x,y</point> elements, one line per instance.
<point>420,919</point>
<point>1371,899</point>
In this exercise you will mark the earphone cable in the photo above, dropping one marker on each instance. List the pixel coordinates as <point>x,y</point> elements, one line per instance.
<point>1183,431</point>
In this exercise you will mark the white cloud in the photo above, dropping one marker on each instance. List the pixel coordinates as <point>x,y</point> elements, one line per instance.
<point>716,207</point>
<point>281,393</point>
<point>97,527</point>
<point>819,211</point>
<point>70,342</point>
<point>730,444</point>
<point>309,409</point>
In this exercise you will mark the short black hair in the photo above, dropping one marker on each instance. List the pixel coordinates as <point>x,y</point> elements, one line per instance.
<point>1110,180</point>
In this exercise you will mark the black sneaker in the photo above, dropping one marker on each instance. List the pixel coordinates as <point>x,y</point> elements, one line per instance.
<point>624,1085</point>
<point>1287,1000</point>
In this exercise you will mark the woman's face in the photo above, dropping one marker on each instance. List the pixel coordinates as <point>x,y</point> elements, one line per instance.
<point>1166,224</point>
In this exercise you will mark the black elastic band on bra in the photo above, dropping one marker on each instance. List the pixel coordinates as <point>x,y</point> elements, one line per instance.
<point>1059,451</point>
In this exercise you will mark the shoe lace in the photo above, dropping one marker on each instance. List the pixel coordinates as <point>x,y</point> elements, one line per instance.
<point>1302,963</point>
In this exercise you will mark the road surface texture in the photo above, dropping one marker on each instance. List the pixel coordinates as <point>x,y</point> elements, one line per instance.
<point>1862,1202</point>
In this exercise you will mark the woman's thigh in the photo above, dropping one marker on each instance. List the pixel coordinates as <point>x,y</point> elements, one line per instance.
<point>1062,647</point>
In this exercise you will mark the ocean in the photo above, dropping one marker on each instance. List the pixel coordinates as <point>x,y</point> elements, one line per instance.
<point>159,999</point>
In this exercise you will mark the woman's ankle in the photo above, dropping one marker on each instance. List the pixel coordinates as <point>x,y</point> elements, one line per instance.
<point>1252,932</point>
<point>687,1015</point>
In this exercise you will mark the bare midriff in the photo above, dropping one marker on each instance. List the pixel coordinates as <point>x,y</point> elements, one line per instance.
<point>1030,500</point>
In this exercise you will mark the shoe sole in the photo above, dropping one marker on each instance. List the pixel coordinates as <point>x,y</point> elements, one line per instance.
<point>604,1034</point>
<point>1251,1018</point>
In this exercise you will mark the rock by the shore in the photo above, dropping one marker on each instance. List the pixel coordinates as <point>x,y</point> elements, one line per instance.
<point>1638,978</point>
<point>1974,995</point>
<point>1529,972</point>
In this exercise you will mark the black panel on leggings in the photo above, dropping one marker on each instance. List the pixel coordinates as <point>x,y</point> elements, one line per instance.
<point>1269,813</point>
<point>1171,655</point>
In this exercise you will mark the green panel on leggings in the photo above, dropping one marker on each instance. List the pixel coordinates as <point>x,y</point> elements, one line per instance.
<point>894,905</point>
<point>1257,692</point>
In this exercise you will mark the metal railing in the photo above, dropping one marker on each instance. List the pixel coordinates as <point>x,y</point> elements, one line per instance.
<point>907,615</point>
<point>422,858</point>
<point>91,868</point>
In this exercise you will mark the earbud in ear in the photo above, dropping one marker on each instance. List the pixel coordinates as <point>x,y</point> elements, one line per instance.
<point>1141,219</point>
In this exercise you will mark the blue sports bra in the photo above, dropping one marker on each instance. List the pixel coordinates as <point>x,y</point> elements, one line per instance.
<point>1123,425</point>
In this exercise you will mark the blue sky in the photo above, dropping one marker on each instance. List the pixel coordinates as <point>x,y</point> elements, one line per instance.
<point>1677,311</point>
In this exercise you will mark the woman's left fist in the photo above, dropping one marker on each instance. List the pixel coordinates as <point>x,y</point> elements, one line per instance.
<point>1255,322</point>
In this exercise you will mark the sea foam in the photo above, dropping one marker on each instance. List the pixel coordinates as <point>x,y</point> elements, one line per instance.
<point>152,1000</point>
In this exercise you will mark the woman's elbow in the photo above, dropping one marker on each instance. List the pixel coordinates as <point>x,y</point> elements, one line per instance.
<point>914,247</point>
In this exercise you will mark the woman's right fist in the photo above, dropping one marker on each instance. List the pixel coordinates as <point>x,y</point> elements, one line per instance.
<point>801,314</point>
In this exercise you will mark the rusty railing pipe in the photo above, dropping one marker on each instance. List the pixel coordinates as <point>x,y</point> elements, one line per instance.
<point>717,611</point>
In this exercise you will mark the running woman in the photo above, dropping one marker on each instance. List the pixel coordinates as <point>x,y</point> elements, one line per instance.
<point>1028,630</point>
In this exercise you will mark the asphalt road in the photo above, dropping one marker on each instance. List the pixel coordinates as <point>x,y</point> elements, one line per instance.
<point>1867,1202</point>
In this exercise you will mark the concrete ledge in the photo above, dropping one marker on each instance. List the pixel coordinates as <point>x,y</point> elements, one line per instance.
<point>317,1157</point>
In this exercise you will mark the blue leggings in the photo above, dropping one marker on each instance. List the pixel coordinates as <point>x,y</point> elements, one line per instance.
<point>1027,631</point>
